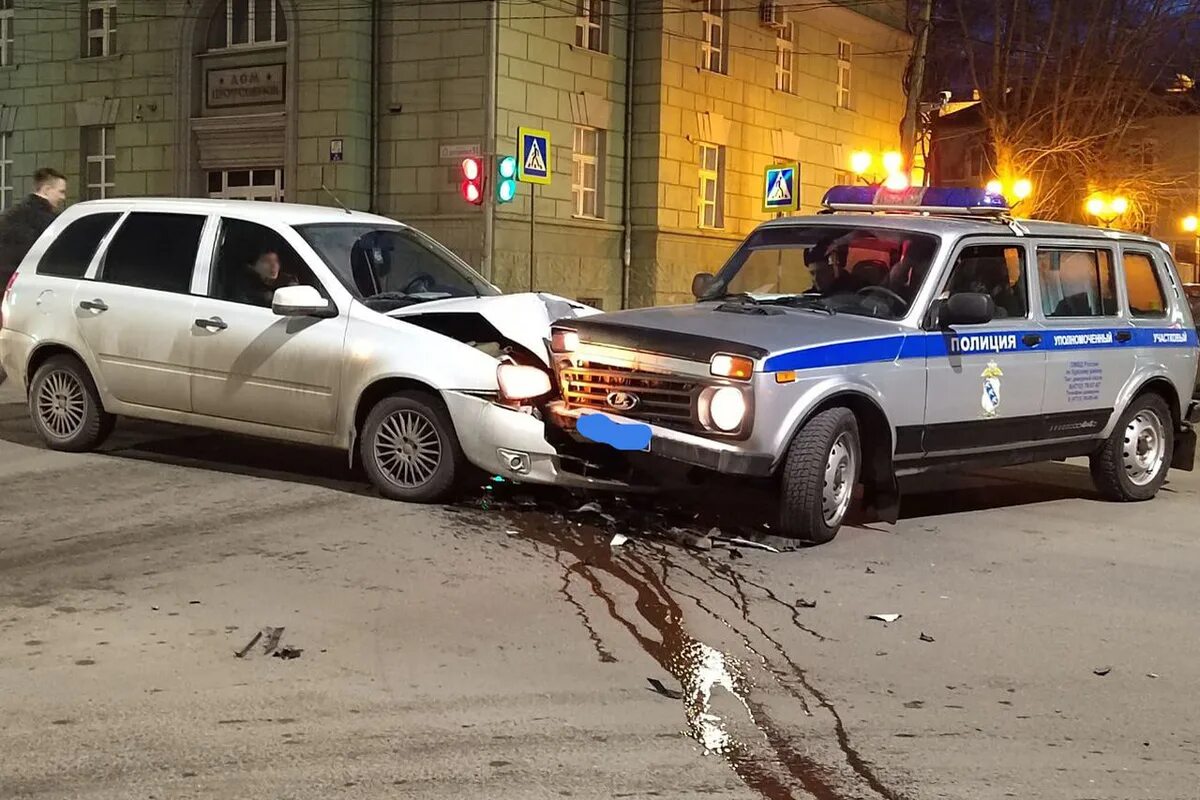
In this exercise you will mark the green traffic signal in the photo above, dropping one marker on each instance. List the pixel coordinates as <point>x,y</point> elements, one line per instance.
<point>506,187</point>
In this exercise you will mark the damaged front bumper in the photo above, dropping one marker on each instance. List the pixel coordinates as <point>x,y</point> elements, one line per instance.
<point>685,448</point>
<point>511,443</point>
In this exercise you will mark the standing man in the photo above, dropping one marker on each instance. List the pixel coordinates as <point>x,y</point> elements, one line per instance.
<point>21,225</point>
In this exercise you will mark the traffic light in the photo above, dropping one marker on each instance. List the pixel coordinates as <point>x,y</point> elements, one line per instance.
<point>506,186</point>
<point>472,185</point>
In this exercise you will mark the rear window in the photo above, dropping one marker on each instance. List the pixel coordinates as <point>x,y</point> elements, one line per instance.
<point>1146,296</point>
<point>69,255</point>
<point>1077,283</point>
<point>154,251</point>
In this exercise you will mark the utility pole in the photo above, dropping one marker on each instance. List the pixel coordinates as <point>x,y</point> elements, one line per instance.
<point>916,82</point>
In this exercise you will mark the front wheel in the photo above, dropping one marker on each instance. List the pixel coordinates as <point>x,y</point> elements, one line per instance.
<point>409,449</point>
<point>1132,465</point>
<point>819,475</point>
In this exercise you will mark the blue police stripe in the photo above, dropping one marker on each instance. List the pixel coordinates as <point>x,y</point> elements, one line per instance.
<point>923,345</point>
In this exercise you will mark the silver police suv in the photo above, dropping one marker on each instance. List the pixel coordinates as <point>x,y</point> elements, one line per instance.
<point>898,332</point>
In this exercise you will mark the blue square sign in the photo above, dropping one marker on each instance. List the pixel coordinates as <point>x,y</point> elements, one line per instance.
<point>533,161</point>
<point>781,184</point>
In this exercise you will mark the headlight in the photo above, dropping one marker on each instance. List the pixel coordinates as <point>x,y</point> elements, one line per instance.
<point>564,341</point>
<point>736,367</point>
<point>519,382</point>
<point>727,408</point>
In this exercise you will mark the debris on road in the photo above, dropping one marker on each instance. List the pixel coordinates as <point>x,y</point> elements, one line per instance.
<point>245,650</point>
<point>715,535</point>
<point>925,637</point>
<point>272,637</point>
<point>802,603</point>
<point>618,540</point>
<point>1151,674</point>
<point>885,617</point>
<point>735,554</point>
<point>288,653</point>
<point>687,538</point>
<point>870,571</point>
<point>193,602</point>
<point>1101,671</point>
<point>658,686</point>
<point>593,507</point>
<point>154,608</point>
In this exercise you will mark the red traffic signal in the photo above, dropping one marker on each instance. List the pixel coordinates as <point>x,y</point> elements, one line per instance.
<point>472,184</point>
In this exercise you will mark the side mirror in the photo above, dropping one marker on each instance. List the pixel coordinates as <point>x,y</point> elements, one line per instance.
<point>701,283</point>
<point>967,308</point>
<point>301,301</point>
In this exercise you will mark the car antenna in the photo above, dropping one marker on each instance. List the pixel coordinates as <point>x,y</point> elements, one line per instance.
<point>335,198</point>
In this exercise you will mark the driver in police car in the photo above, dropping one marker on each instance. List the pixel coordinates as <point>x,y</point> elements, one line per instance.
<point>829,274</point>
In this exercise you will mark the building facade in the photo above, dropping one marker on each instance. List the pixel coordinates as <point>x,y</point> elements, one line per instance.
<point>662,116</point>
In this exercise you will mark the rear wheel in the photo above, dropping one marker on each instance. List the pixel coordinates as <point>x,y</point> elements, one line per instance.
<point>1132,465</point>
<point>819,475</point>
<point>409,449</point>
<point>65,406</point>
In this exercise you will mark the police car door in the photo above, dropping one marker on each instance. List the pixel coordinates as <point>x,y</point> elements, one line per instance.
<point>1089,341</point>
<point>985,382</point>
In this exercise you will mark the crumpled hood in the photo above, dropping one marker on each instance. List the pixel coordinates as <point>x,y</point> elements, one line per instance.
<point>524,318</point>
<point>699,330</point>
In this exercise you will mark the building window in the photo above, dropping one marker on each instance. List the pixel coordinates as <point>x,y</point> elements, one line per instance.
<point>713,49</point>
<point>589,25</point>
<point>262,184</point>
<point>100,158</point>
<point>246,23</point>
<point>845,56</point>
<point>7,17</point>
<point>712,186</point>
<point>587,160</point>
<point>785,50</point>
<point>6,163</point>
<point>101,28</point>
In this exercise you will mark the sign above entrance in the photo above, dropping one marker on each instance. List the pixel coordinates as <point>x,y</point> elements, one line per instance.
<point>245,86</point>
<point>533,156</point>
<point>781,187</point>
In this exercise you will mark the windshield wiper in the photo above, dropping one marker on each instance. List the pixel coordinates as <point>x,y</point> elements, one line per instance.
<point>806,301</point>
<point>737,297</point>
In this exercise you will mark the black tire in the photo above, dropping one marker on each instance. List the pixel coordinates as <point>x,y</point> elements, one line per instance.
<point>1115,466</point>
<point>413,416</point>
<point>65,406</point>
<point>802,507</point>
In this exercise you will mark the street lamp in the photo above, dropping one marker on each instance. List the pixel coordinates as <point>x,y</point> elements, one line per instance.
<point>1106,209</point>
<point>1018,191</point>
<point>1191,224</point>
<point>893,177</point>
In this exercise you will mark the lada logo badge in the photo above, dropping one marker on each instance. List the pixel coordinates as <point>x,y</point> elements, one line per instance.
<point>622,401</point>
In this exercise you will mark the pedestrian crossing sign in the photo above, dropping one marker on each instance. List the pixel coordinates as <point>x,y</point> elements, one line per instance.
<point>781,187</point>
<point>533,166</point>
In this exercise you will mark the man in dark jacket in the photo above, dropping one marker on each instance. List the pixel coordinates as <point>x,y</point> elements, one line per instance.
<point>21,225</point>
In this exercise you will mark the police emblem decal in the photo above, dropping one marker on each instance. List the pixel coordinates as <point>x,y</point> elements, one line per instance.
<point>990,401</point>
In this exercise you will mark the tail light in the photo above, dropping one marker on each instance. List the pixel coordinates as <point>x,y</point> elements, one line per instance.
<point>3,297</point>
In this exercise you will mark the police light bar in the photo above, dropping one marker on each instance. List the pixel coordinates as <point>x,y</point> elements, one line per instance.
<point>924,200</point>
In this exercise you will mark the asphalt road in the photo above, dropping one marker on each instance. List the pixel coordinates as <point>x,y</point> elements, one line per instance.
<point>503,649</point>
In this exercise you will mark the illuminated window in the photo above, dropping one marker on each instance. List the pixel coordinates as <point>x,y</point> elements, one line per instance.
<point>713,55</point>
<point>589,25</point>
<point>845,56</point>
<point>712,186</point>
<point>587,161</point>
<point>785,51</point>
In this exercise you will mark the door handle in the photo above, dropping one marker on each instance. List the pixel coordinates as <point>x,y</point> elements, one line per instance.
<point>212,323</point>
<point>94,305</point>
<point>1124,336</point>
<point>1032,339</point>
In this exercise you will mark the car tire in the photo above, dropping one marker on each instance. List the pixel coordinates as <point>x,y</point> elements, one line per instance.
<point>65,406</point>
<point>1132,464</point>
<point>409,449</point>
<point>820,471</point>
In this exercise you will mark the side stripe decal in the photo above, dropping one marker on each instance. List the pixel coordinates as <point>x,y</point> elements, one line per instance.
<point>923,345</point>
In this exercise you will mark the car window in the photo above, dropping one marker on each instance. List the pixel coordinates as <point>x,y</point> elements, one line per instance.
<point>154,251</point>
<point>69,255</point>
<point>997,271</point>
<point>1077,283</point>
<point>1144,284</point>
<point>252,261</point>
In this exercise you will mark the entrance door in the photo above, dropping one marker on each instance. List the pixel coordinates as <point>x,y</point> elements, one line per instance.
<point>985,382</point>
<point>260,183</point>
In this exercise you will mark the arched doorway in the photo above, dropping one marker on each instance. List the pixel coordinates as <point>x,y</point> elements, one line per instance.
<point>237,86</point>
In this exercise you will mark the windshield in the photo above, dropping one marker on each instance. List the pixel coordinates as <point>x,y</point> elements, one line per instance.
<point>389,268</point>
<point>850,269</point>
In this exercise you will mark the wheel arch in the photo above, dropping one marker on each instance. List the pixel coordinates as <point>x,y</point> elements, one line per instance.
<point>375,391</point>
<point>44,351</point>
<point>1164,388</point>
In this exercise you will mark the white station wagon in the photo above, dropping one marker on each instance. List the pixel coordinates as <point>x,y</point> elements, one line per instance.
<point>305,324</point>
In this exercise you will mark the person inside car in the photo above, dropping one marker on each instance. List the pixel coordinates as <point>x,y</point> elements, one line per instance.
<point>829,276</point>
<point>259,280</point>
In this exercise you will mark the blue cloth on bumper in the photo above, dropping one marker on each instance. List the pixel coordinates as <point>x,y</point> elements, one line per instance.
<point>620,435</point>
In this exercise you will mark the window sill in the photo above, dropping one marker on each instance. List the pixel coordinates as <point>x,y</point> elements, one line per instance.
<point>243,49</point>
<point>587,218</point>
<point>590,52</point>
<point>108,59</point>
